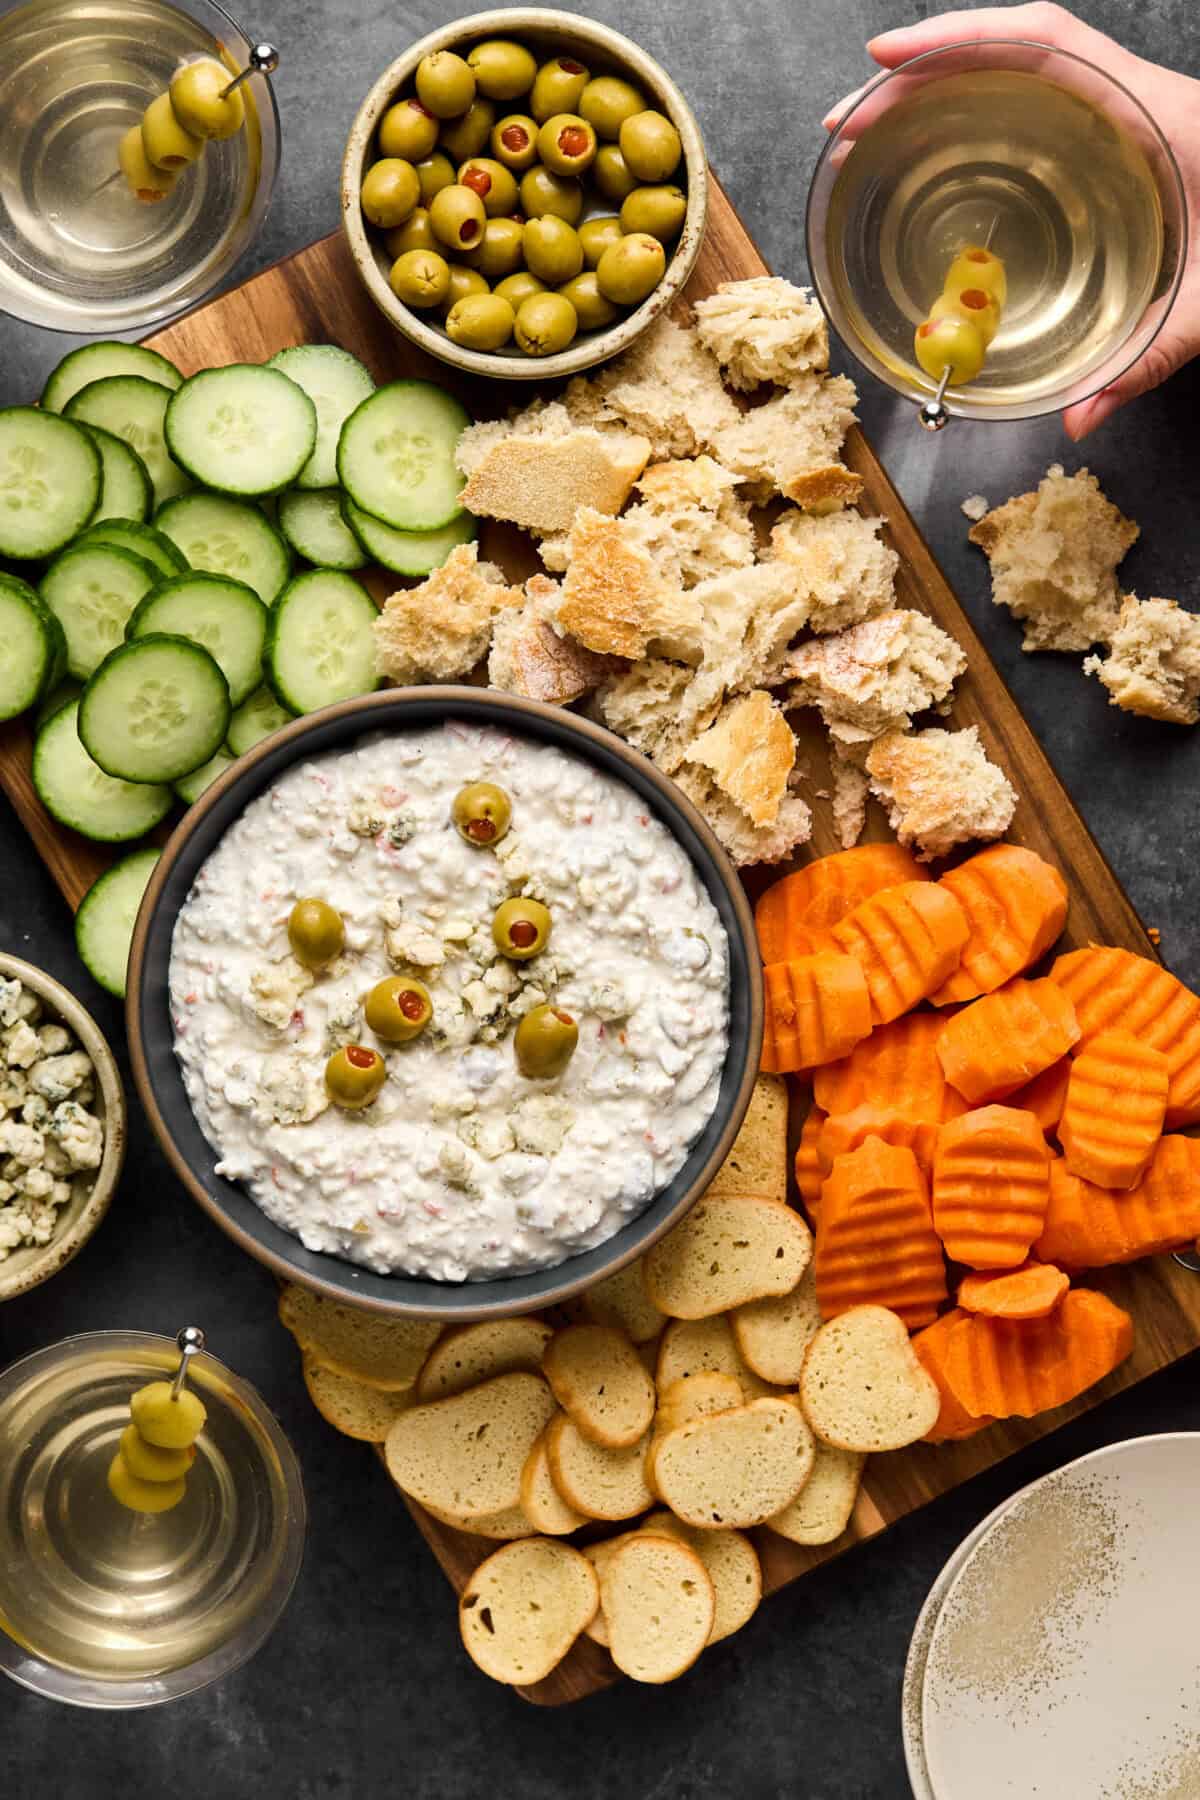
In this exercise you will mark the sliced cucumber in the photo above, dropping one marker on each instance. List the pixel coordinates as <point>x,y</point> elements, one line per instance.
<point>311,521</point>
<point>50,481</point>
<point>242,429</point>
<point>228,537</point>
<point>407,552</point>
<point>133,408</point>
<point>336,383</point>
<point>143,540</point>
<point>321,646</point>
<point>256,719</point>
<point>224,616</point>
<point>126,491</point>
<point>79,794</point>
<point>32,647</point>
<point>396,456</point>
<point>93,589</point>
<point>155,710</point>
<point>107,915</point>
<point>193,785</point>
<point>60,695</point>
<point>94,362</point>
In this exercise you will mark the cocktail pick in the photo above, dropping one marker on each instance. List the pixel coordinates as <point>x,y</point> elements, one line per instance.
<point>263,60</point>
<point>933,414</point>
<point>190,1342</point>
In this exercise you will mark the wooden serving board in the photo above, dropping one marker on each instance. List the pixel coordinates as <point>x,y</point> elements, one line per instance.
<point>315,297</point>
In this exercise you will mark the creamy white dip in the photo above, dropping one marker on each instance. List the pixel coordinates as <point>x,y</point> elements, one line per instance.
<point>463,1168</point>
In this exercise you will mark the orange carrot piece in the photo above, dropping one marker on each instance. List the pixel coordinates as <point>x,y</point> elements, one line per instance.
<point>809,1174</point>
<point>1116,1103</point>
<point>793,917</point>
<point>997,1044</point>
<point>1016,905</point>
<point>815,1010</point>
<point>1045,1095</point>
<point>846,1131</point>
<point>875,1243</point>
<point>897,1066</point>
<point>1016,1368</point>
<point>1030,1292</point>
<point>1088,1227</point>
<point>1116,990</point>
<point>954,1421</point>
<point>908,939</point>
<point>991,1187</point>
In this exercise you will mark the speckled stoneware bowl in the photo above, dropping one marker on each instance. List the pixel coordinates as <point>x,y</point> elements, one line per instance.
<point>160,1083</point>
<point>25,1269</point>
<point>548,34</point>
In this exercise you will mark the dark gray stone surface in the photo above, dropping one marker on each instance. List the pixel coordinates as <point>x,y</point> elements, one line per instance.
<point>364,1690</point>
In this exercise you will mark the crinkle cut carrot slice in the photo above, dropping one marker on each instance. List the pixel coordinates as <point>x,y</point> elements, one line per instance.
<point>875,1243</point>
<point>1016,905</point>
<point>793,917</point>
<point>809,1174</point>
<point>1030,1292</point>
<point>846,1131</point>
<point>1017,1368</point>
<point>815,1010</point>
<point>897,1066</point>
<point>953,1422</point>
<point>1045,1095</point>
<point>997,1044</point>
<point>1113,989</point>
<point>991,1187</point>
<point>1088,1227</point>
<point>908,939</point>
<point>1115,1106</point>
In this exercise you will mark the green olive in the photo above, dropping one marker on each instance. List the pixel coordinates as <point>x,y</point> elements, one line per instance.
<point>502,249</point>
<point>146,183</point>
<point>502,69</point>
<point>200,103</point>
<point>141,1496</point>
<point>408,129</point>
<point>596,235</point>
<point>950,343</point>
<point>495,185</point>
<point>607,102</point>
<point>469,135</point>
<point>481,322</point>
<point>592,310</point>
<point>434,173</point>
<point>420,278</point>
<point>416,233</point>
<point>445,84</point>
<point>545,1042</point>
<point>546,324</point>
<point>390,191</point>
<point>567,144</point>
<point>482,811</point>
<point>463,284</point>
<point>354,1076</point>
<point>149,1463</point>
<point>517,288</point>
<point>631,268</point>
<point>514,141</point>
<point>520,928</point>
<point>553,251</point>
<point>398,1009</point>
<point>557,87</point>
<point>612,174</point>
<point>315,932</point>
<point>650,145</point>
<point>170,1421</point>
<point>542,192</point>
<point>457,217</point>
<point>164,140</point>
<point>660,211</point>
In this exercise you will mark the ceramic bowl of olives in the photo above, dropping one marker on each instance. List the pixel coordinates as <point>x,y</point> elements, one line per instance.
<point>523,193</point>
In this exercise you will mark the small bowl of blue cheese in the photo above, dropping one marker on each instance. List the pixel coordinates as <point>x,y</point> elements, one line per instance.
<point>62,1126</point>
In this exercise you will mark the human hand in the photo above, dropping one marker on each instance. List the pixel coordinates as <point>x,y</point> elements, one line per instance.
<point>1173,102</point>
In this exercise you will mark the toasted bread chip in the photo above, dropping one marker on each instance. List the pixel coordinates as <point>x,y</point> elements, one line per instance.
<point>821,1510</point>
<point>465,1455</point>
<point>724,1252</point>
<point>863,1387</point>
<point>523,1608</point>
<point>382,1352</point>
<point>476,1353</point>
<point>598,1379</point>
<point>734,1468</point>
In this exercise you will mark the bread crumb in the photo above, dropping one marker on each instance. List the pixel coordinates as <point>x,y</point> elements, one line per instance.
<point>1154,934</point>
<point>850,788</point>
<point>764,329</point>
<point>976,506</point>
<point>940,789</point>
<point>1153,664</point>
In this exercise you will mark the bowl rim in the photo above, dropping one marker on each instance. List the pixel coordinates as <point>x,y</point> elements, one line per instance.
<point>49,1258</point>
<point>555,1283</point>
<point>595,347</point>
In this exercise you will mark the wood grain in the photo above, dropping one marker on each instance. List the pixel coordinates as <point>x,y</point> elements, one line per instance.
<point>315,297</point>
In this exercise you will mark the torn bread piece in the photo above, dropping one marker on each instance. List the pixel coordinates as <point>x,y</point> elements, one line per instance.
<point>751,752</point>
<point>666,387</point>
<point>746,843</point>
<point>763,329</point>
<point>655,707</point>
<point>538,481</point>
<point>529,657</point>
<point>615,601</point>
<point>440,630</point>
<point>840,562</point>
<point>690,520</point>
<point>940,789</point>
<point>748,619</point>
<point>1054,555</point>
<point>790,445</point>
<point>848,801</point>
<point>1153,663</point>
<point>875,676</point>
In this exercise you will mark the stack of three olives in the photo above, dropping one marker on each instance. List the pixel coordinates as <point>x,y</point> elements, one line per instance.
<point>177,127</point>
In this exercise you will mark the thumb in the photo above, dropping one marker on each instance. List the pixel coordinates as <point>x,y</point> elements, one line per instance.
<point>1165,355</point>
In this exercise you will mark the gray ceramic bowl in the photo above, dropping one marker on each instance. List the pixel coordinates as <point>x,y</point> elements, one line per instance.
<point>160,1084</point>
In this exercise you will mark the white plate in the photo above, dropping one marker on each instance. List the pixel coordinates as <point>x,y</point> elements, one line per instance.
<point>1064,1659</point>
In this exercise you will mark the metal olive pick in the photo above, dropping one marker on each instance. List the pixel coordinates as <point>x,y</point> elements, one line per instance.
<point>263,60</point>
<point>933,414</point>
<point>190,1343</point>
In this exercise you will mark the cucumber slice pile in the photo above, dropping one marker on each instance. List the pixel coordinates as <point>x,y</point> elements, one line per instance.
<point>60,695</point>
<point>154,710</point>
<point>106,918</point>
<point>228,537</point>
<point>242,430</point>
<point>96,361</point>
<point>126,491</point>
<point>143,540</point>
<point>223,616</point>
<point>50,482</point>
<point>407,552</point>
<point>77,793</point>
<point>134,409</point>
<point>396,456</point>
<point>336,383</point>
<point>260,715</point>
<point>321,646</point>
<point>33,651</point>
<point>311,521</point>
<point>93,589</point>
